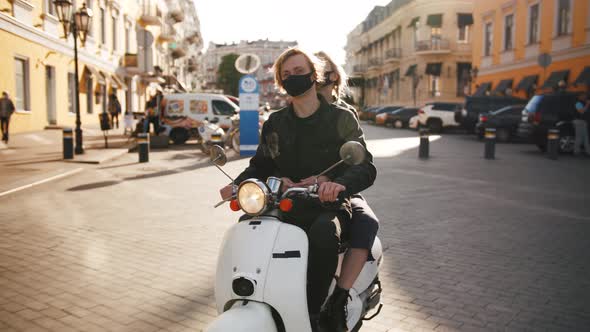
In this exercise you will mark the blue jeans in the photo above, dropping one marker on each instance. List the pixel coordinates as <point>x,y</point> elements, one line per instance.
<point>581,128</point>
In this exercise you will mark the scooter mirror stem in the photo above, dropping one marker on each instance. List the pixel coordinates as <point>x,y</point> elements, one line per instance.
<point>222,171</point>
<point>330,168</point>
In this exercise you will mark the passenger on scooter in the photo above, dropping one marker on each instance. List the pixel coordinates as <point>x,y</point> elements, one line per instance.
<point>362,228</point>
<point>300,141</point>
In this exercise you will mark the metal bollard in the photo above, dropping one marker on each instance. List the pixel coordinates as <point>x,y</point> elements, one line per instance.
<point>490,143</point>
<point>424,144</point>
<point>143,146</point>
<point>68,143</point>
<point>553,143</point>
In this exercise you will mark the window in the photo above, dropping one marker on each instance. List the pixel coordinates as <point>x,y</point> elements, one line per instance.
<point>464,34</point>
<point>89,89</point>
<point>22,101</point>
<point>416,33</point>
<point>89,6</point>
<point>114,33</point>
<point>434,85</point>
<point>222,108</point>
<point>488,39</point>
<point>534,24</point>
<point>49,7</point>
<point>508,31</point>
<point>103,28</point>
<point>127,38</point>
<point>71,93</point>
<point>563,17</point>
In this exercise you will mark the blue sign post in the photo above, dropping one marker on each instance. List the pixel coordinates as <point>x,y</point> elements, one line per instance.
<point>249,100</point>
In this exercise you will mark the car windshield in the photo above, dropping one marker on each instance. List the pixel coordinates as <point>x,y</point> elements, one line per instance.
<point>533,105</point>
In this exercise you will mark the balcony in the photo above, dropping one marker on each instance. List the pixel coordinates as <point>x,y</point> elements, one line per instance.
<point>168,34</point>
<point>178,51</point>
<point>433,46</point>
<point>148,15</point>
<point>359,69</point>
<point>192,65</point>
<point>393,55</point>
<point>176,16</point>
<point>375,62</point>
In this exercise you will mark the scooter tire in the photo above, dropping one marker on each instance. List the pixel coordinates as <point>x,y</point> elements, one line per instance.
<point>358,326</point>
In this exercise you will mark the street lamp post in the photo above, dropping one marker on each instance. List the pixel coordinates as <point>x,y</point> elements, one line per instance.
<point>78,24</point>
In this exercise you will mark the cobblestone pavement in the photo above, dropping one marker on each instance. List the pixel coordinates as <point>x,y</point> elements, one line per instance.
<point>470,244</point>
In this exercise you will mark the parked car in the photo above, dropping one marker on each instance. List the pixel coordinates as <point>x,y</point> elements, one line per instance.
<point>505,121</point>
<point>468,116</point>
<point>437,116</point>
<point>382,114</point>
<point>372,114</point>
<point>401,117</point>
<point>549,111</point>
<point>413,123</point>
<point>364,114</point>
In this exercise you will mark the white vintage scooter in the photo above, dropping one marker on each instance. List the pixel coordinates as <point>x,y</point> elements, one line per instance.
<point>261,274</point>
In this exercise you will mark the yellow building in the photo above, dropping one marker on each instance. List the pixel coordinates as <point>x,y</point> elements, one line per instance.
<point>132,46</point>
<point>511,37</point>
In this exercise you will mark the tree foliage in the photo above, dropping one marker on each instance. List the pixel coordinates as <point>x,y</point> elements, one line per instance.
<point>227,75</point>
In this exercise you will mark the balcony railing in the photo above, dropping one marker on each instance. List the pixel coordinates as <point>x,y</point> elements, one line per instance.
<point>433,45</point>
<point>148,14</point>
<point>374,62</point>
<point>359,68</point>
<point>393,54</point>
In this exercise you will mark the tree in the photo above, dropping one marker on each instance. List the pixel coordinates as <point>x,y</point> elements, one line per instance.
<point>227,75</point>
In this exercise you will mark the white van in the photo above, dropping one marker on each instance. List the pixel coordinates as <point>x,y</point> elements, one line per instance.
<point>185,112</point>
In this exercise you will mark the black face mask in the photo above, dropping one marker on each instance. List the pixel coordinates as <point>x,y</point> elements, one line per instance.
<point>296,85</point>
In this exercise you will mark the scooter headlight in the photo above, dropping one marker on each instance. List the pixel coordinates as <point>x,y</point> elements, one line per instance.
<point>252,196</point>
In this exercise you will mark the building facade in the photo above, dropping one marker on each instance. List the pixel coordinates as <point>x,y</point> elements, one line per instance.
<point>411,52</point>
<point>122,54</point>
<point>513,38</point>
<point>266,50</point>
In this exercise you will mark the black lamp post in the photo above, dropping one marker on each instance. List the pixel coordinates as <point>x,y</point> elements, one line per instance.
<point>77,24</point>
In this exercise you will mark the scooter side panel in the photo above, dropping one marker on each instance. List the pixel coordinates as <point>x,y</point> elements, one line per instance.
<point>286,280</point>
<point>245,252</point>
<point>371,268</point>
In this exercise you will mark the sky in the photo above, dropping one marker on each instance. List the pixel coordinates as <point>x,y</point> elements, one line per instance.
<point>315,24</point>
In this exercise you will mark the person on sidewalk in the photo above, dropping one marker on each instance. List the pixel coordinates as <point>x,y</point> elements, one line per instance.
<point>6,110</point>
<point>114,109</point>
<point>581,124</point>
<point>152,110</point>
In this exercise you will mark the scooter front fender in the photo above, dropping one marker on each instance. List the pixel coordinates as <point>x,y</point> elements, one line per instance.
<point>244,316</point>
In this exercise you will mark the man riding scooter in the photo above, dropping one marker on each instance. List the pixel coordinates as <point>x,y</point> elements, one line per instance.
<point>300,141</point>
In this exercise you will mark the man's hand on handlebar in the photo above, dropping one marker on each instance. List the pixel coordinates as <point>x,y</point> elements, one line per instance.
<point>311,181</point>
<point>329,191</point>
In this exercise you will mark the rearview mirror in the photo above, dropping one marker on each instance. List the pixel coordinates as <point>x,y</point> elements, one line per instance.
<point>352,153</point>
<point>217,155</point>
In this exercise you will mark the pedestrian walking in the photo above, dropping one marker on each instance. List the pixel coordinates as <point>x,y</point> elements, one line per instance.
<point>114,110</point>
<point>152,110</point>
<point>581,124</point>
<point>6,110</point>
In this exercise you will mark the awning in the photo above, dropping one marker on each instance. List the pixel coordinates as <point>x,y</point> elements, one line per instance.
<point>434,20</point>
<point>94,74</point>
<point>554,79</point>
<point>503,85</point>
<point>482,89</point>
<point>120,82</point>
<point>414,21</point>
<point>411,70</point>
<point>171,82</point>
<point>433,68</point>
<point>527,82</point>
<point>584,77</point>
<point>464,19</point>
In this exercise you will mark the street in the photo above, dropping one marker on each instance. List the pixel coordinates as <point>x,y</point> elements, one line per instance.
<point>470,244</point>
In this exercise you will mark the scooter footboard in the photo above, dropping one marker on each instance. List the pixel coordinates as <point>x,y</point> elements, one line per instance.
<point>244,316</point>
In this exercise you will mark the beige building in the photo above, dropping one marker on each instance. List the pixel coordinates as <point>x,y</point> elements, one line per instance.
<point>125,53</point>
<point>411,52</point>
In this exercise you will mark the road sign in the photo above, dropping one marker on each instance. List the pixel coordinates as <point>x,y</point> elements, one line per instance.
<point>544,60</point>
<point>247,63</point>
<point>249,100</point>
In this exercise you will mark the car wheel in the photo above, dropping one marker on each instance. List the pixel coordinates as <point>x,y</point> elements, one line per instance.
<point>566,142</point>
<point>179,135</point>
<point>398,124</point>
<point>434,125</point>
<point>503,135</point>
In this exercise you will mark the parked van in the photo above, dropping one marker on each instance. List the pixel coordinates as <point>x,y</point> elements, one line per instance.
<point>185,112</point>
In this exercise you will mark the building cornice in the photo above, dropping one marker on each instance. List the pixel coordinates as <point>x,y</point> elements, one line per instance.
<point>9,24</point>
<point>570,53</point>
